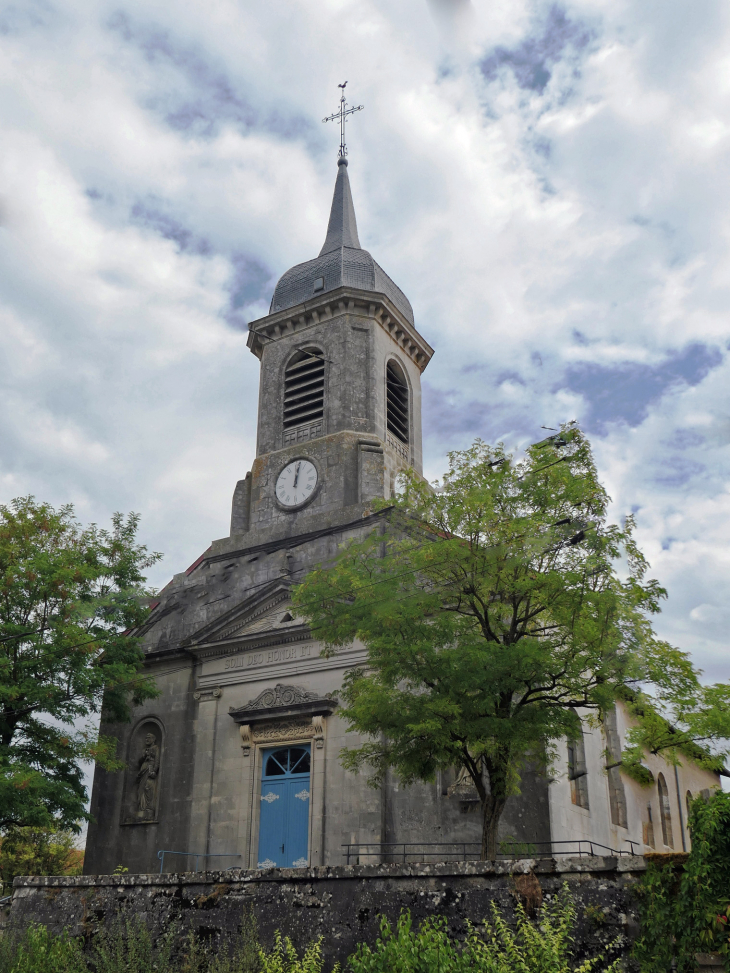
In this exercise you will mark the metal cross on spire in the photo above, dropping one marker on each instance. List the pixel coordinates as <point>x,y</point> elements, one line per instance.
<point>342,115</point>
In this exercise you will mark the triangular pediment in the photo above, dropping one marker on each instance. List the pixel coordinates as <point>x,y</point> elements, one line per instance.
<point>266,612</point>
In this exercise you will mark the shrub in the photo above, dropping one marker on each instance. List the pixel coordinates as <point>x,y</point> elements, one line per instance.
<point>545,946</point>
<point>704,894</point>
<point>126,946</point>
<point>244,956</point>
<point>406,951</point>
<point>542,947</point>
<point>684,906</point>
<point>241,956</point>
<point>283,957</point>
<point>39,951</point>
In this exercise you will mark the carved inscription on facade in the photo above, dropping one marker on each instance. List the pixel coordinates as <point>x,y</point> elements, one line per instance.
<point>288,653</point>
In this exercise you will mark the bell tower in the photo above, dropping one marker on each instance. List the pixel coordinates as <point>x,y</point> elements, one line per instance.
<point>340,392</point>
<point>247,721</point>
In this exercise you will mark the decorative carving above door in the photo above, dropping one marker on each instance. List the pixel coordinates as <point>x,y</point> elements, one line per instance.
<point>281,701</point>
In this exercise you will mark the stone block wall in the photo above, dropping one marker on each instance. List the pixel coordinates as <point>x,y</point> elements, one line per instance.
<point>343,904</point>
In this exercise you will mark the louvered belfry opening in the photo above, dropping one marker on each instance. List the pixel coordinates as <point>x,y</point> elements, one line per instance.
<point>303,389</point>
<point>397,401</point>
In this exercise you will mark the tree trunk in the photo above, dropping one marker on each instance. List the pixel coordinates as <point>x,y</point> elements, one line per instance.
<point>491,814</point>
<point>493,804</point>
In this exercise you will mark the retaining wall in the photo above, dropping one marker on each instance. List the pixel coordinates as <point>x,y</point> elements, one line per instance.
<point>342,904</point>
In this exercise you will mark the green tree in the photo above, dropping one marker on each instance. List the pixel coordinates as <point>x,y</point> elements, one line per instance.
<point>492,607</point>
<point>70,598</point>
<point>37,851</point>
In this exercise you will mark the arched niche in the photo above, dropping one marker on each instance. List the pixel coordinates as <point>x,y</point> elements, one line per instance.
<point>665,811</point>
<point>145,761</point>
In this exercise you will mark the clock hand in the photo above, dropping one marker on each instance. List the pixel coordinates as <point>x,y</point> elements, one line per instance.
<point>296,476</point>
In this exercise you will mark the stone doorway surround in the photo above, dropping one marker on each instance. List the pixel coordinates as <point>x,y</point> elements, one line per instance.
<point>282,716</point>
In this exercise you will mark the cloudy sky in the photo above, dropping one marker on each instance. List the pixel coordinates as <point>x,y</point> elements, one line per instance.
<point>548,182</point>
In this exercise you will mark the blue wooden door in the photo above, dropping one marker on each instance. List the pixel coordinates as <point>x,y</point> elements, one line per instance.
<point>284,821</point>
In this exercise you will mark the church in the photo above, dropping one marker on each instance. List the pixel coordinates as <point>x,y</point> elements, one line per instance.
<point>236,763</point>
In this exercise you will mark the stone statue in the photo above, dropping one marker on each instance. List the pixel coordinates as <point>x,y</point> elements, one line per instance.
<point>149,764</point>
<point>463,787</point>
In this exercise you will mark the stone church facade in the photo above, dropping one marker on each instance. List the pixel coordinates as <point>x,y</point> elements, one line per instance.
<point>238,758</point>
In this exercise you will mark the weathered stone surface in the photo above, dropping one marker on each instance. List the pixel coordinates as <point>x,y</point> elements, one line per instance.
<point>341,904</point>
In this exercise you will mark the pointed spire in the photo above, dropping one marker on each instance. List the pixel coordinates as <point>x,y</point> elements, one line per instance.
<point>342,227</point>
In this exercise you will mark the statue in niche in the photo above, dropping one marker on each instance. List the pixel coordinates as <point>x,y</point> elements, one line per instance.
<point>463,787</point>
<point>149,765</point>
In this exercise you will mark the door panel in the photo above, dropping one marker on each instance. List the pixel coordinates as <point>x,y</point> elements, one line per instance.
<point>274,796</point>
<point>297,832</point>
<point>285,799</point>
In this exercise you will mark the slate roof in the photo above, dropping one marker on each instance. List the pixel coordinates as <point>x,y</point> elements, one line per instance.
<point>341,261</point>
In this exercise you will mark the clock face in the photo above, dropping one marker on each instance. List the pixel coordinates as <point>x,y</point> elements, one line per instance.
<point>296,483</point>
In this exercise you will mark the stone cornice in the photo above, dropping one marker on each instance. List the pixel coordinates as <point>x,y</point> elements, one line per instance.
<point>628,867</point>
<point>343,300</point>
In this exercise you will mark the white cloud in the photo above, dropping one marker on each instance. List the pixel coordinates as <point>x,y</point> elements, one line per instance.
<point>547,182</point>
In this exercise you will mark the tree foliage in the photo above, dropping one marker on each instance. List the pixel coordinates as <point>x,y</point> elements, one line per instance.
<point>492,608</point>
<point>37,851</point>
<point>69,599</point>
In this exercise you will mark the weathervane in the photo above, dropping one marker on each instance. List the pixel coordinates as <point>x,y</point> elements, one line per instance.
<point>342,115</point>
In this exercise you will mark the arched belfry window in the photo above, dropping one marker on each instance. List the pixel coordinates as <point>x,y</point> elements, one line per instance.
<point>397,401</point>
<point>304,389</point>
<point>665,812</point>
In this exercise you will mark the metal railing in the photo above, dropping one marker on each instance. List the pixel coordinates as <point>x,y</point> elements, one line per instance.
<point>191,854</point>
<point>448,851</point>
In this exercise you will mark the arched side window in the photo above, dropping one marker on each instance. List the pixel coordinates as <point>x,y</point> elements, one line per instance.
<point>616,790</point>
<point>665,812</point>
<point>578,771</point>
<point>397,401</point>
<point>304,389</point>
<point>648,828</point>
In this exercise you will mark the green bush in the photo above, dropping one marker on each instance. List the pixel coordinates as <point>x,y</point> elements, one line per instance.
<point>406,951</point>
<point>39,951</point>
<point>126,946</point>
<point>244,956</point>
<point>704,893</point>
<point>542,947</point>
<point>283,957</point>
<point>241,956</point>
<point>685,907</point>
